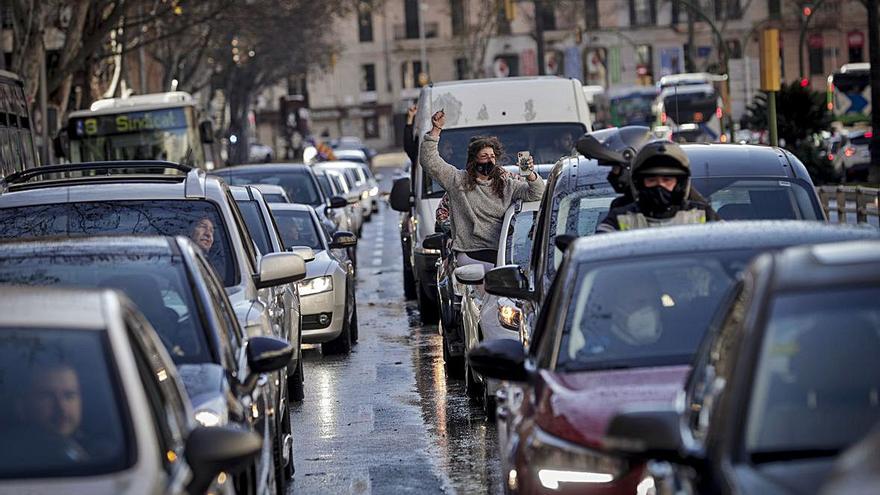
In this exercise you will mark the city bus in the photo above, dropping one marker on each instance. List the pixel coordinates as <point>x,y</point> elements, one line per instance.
<point>18,150</point>
<point>690,106</point>
<point>631,105</point>
<point>160,126</point>
<point>849,93</point>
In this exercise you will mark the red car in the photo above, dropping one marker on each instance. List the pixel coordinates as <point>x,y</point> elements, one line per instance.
<point>620,327</point>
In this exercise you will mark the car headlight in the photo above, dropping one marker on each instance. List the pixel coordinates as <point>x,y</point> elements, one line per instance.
<point>509,315</point>
<point>374,191</point>
<point>558,461</point>
<point>316,285</point>
<point>212,413</point>
<point>365,195</point>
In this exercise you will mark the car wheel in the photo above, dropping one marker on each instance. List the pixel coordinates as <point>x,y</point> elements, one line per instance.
<point>354,324</point>
<point>295,383</point>
<point>339,345</point>
<point>428,311</point>
<point>283,471</point>
<point>471,386</point>
<point>489,404</point>
<point>409,281</point>
<point>453,365</point>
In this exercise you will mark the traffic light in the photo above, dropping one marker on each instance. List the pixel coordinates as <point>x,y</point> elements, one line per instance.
<point>807,11</point>
<point>805,82</point>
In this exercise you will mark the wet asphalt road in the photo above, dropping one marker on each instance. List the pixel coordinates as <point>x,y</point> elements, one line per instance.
<point>385,419</point>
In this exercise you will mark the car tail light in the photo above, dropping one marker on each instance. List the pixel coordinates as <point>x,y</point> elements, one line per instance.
<point>718,112</point>
<point>849,151</point>
<point>830,157</point>
<point>869,134</point>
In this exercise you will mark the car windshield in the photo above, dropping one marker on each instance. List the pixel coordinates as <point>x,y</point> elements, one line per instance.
<point>197,219</point>
<point>519,244</point>
<point>298,183</point>
<point>546,142</point>
<point>61,413</point>
<point>253,220</point>
<point>818,376</point>
<point>157,284</point>
<point>297,229</point>
<point>647,312</point>
<point>577,213</point>
<point>759,198</point>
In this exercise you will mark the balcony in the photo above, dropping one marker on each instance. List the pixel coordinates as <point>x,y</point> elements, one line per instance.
<point>432,30</point>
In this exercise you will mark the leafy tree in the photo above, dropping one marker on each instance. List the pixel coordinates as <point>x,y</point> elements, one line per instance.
<point>800,116</point>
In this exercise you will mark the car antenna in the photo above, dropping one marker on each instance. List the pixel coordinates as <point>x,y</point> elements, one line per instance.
<point>187,159</point>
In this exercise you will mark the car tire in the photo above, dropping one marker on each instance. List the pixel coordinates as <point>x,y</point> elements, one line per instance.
<point>283,473</point>
<point>339,345</point>
<point>353,325</point>
<point>295,382</point>
<point>409,280</point>
<point>452,365</point>
<point>428,310</point>
<point>472,388</point>
<point>489,404</point>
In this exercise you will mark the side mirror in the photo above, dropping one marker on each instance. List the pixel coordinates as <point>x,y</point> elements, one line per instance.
<point>434,241</point>
<point>343,239</point>
<point>401,195</point>
<point>500,359</point>
<point>338,202</point>
<point>507,281</point>
<point>304,252</point>
<point>268,354</point>
<point>470,274</point>
<point>564,240</point>
<point>206,132</point>
<point>646,433</point>
<point>212,450</point>
<point>278,269</point>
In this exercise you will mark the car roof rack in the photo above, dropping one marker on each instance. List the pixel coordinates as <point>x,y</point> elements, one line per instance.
<point>194,177</point>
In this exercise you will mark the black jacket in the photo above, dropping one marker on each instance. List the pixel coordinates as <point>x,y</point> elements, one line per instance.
<point>410,143</point>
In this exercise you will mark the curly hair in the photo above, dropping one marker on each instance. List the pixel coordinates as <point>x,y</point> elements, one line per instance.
<point>476,144</point>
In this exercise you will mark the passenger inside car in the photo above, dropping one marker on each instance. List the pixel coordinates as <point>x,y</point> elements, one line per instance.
<point>202,233</point>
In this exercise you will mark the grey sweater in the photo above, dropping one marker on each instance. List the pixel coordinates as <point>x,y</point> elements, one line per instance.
<point>476,214</point>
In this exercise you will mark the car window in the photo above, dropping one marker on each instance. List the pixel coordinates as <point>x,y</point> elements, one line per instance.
<point>341,186</point>
<point>197,219</point>
<point>297,229</point>
<point>324,182</point>
<point>253,219</point>
<point>61,409</point>
<point>297,182</point>
<point>519,241</point>
<point>157,284</point>
<point>274,198</point>
<point>244,235</point>
<point>231,337</point>
<point>817,379</point>
<point>744,198</point>
<point>577,213</point>
<point>644,312</point>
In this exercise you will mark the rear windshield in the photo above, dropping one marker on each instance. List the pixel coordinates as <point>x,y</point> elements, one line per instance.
<point>546,142</point>
<point>158,285</point>
<point>298,183</point>
<point>61,410</point>
<point>297,229</point>
<point>197,219</point>
<point>759,198</point>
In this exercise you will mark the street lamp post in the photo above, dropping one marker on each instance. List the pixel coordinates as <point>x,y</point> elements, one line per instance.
<point>423,56</point>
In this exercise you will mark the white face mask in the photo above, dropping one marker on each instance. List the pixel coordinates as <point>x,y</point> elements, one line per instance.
<point>642,326</point>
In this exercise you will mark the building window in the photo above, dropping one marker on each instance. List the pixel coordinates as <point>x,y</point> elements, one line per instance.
<point>642,12</point>
<point>591,14</point>
<point>409,74</point>
<point>461,68</point>
<point>645,64</point>
<point>816,53</point>
<point>371,127</point>
<point>727,9</point>
<point>548,16</point>
<point>774,8</point>
<point>411,14</point>
<point>734,49</point>
<point>368,77</point>
<point>503,22</point>
<point>456,11</point>
<point>365,21</point>
<point>855,41</point>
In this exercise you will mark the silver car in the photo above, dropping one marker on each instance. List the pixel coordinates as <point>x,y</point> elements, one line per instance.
<point>327,294</point>
<point>357,181</point>
<point>273,193</point>
<point>486,316</point>
<point>125,426</point>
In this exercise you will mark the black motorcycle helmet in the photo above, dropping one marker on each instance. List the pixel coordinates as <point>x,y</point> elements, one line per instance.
<point>660,158</point>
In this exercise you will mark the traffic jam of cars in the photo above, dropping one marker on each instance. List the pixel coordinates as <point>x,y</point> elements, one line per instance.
<point>626,315</point>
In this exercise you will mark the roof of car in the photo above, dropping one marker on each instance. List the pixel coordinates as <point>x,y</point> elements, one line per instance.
<point>823,265</point>
<point>111,245</point>
<point>290,207</point>
<point>715,236</point>
<point>261,167</point>
<point>54,308</point>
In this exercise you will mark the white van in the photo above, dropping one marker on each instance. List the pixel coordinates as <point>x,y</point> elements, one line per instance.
<point>542,115</point>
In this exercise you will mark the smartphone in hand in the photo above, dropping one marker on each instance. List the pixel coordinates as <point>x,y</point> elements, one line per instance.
<point>522,159</point>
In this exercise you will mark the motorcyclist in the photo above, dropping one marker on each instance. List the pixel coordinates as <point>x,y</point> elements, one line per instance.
<point>660,188</point>
<point>619,178</point>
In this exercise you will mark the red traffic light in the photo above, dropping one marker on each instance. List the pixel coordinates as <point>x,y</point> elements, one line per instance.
<point>805,82</point>
<point>808,11</point>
